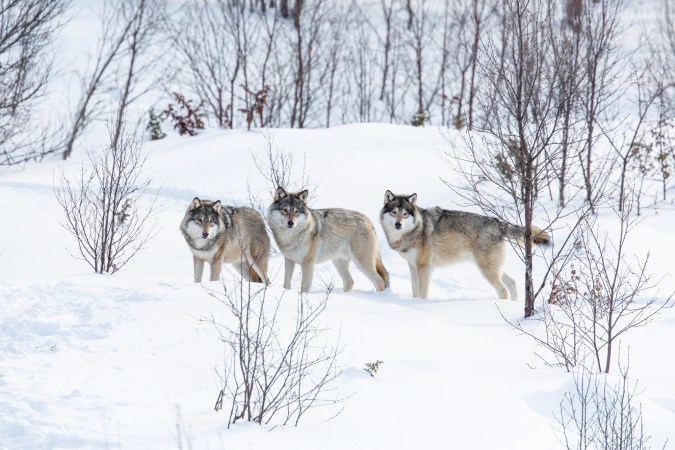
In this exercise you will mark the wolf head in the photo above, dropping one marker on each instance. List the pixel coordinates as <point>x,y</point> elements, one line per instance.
<point>204,219</point>
<point>289,209</point>
<point>399,213</point>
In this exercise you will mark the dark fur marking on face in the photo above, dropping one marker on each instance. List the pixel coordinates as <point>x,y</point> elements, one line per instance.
<point>400,202</point>
<point>291,201</point>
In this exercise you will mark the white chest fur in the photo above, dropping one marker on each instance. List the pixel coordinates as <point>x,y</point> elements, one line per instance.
<point>410,255</point>
<point>206,255</point>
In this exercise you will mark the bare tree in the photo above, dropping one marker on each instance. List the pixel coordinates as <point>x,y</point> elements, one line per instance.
<point>422,25</point>
<point>505,173</point>
<point>662,137</point>
<point>266,68</point>
<point>667,28</point>
<point>309,21</point>
<point>233,57</point>
<point>144,17</point>
<point>103,206</point>
<point>478,16</point>
<point>335,49</point>
<point>26,30</point>
<point>595,298</point>
<point>387,8</point>
<point>648,86</point>
<point>567,59</point>
<point>128,28</point>
<point>362,61</point>
<point>600,415</point>
<point>270,375</point>
<point>601,65</point>
<point>390,56</point>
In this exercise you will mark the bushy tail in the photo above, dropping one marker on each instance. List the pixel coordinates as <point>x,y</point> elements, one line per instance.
<point>539,236</point>
<point>381,271</point>
<point>253,275</point>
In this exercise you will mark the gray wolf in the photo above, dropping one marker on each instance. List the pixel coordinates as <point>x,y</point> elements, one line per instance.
<point>308,236</point>
<point>220,234</point>
<point>434,237</point>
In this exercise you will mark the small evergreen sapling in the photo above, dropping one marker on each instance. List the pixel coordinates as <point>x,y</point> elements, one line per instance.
<point>419,119</point>
<point>373,367</point>
<point>155,126</point>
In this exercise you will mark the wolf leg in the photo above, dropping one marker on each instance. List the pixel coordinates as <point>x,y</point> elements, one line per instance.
<point>289,266</point>
<point>424,278</point>
<point>493,276</point>
<point>342,266</point>
<point>307,275</point>
<point>511,285</point>
<point>198,265</point>
<point>367,266</point>
<point>215,269</point>
<point>256,268</point>
<point>490,262</point>
<point>414,280</point>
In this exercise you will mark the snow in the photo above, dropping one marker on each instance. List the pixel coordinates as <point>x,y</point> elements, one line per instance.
<point>126,361</point>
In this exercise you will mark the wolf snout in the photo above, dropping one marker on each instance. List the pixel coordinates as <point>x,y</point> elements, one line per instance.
<point>205,234</point>
<point>398,225</point>
<point>290,224</point>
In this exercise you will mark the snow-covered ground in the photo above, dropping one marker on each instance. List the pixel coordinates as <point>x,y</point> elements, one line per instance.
<point>124,361</point>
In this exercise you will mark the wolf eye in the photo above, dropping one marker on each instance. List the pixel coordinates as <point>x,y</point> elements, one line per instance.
<point>405,213</point>
<point>393,212</point>
<point>285,210</point>
<point>199,220</point>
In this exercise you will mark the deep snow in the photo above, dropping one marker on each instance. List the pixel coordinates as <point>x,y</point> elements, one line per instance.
<point>124,361</point>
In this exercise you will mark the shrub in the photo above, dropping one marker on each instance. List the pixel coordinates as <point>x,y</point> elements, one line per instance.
<point>101,206</point>
<point>270,372</point>
<point>185,116</point>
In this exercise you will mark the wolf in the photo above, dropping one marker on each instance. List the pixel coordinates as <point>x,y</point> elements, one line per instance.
<point>308,236</point>
<point>225,234</point>
<point>433,237</point>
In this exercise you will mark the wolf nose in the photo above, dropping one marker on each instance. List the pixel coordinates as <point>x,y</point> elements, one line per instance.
<point>398,225</point>
<point>205,234</point>
<point>290,224</point>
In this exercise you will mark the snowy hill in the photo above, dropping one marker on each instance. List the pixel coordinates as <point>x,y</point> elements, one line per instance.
<point>125,361</point>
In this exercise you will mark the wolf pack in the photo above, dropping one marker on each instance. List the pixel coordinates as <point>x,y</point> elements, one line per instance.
<point>425,238</point>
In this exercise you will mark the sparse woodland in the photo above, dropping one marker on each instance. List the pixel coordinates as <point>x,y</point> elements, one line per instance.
<point>555,111</point>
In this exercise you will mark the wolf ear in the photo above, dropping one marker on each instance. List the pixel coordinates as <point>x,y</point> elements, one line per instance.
<point>196,203</point>
<point>303,196</point>
<point>217,207</point>
<point>279,194</point>
<point>388,196</point>
<point>413,199</point>
<point>228,210</point>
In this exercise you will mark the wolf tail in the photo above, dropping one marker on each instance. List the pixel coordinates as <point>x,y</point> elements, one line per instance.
<point>381,271</point>
<point>539,236</point>
<point>253,275</point>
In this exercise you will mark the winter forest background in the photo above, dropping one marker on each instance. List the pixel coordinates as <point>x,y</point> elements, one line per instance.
<point>557,114</point>
<point>592,67</point>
